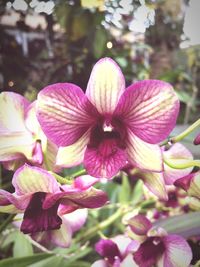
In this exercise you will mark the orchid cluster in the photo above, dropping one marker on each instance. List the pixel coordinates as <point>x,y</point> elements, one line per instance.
<point>115,135</point>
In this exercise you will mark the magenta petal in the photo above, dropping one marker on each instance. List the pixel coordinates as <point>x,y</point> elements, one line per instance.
<point>177,251</point>
<point>149,252</point>
<point>108,249</point>
<point>190,183</point>
<point>184,182</point>
<point>91,198</point>
<point>139,224</point>
<point>64,113</point>
<point>85,181</point>
<point>150,109</point>
<point>75,219</point>
<point>106,160</point>
<point>20,202</point>
<point>197,140</point>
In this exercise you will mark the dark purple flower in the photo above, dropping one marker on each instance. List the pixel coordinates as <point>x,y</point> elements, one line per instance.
<point>39,196</point>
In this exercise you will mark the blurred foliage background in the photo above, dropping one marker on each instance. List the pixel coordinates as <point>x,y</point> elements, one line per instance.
<point>44,42</point>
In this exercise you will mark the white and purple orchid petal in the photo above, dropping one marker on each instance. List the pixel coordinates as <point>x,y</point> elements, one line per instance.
<point>20,202</point>
<point>105,86</point>
<point>29,180</point>
<point>75,219</point>
<point>149,253</point>
<point>176,152</point>
<point>64,113</point>
<point>122,243</point>
<point>91,198</point>
<point>74,154</point>
<point>139,224</point>
<point>109,250</point>
<point>13,108</point>
<point>100,263</point>
<point>143,155</point>
<point>15,140</point>
<point>44,151</point>
<point>85,181</point>
<point>31,120</point>
<point>37,155</point>
<point>128,261</point>
<point>197,140</point>
<point>154,181</point>
<point>13,145</point>
<point>190,183</point>
<point>177,252</point>
<point>150,109</point>
<point>104,162</point>
<point>14,164</point>
<point>62,237</point>
<point>49,157</point>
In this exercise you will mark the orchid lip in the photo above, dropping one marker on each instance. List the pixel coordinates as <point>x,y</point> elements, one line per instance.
<point>37,219</point>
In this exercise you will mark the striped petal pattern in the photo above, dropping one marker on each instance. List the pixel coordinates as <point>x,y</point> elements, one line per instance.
<point>150,109</point>
<point>143,155</point>
<point>105,86</point>
<point>29,180</point>
<point>74,154</point>
<point>64,113</point>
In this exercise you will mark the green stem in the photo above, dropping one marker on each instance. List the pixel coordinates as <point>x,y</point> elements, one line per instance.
<point>68,179</point>
<point>6,222</point>
<point>182,135</point>
<point>61,179</point>
<point>78,173</point>
<point>102,225</point>
<point>182,164</point>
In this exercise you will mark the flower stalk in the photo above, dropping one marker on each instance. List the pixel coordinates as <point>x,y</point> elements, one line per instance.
<point>182,135</point>
<point>182,163</point>
<point>101,226</point>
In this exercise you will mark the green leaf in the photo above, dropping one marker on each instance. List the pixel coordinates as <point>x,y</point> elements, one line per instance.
<point>82,253</point>
<point>122,62</point>
<point>23,261</point>
<point>52,261</point>
<point>22,247</point>
<point>137,192</point>
<point>125,191</point>
<point>183,96</point>
<point>79,264</point>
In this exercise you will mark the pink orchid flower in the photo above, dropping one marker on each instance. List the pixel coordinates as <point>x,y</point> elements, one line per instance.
<point>62,237</point>
<point>22,139</point>
<point>108,126</point>
<point>156,181</point>
<point>157,248</point>
<point>117,252</point>
<point>191,184</point>
<point>43,200</point>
